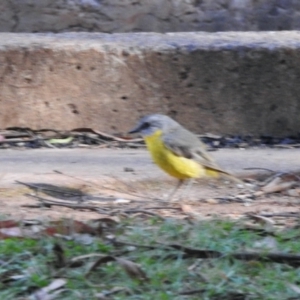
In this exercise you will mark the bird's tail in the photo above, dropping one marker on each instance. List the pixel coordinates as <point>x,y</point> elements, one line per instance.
<point>216,172</point>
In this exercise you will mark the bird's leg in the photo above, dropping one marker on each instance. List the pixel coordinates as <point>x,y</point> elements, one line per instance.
<point>179,184</point>
<point>188,185</point>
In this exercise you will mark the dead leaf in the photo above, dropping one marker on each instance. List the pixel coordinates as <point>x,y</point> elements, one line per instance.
<point>8,223</point>
<point>98,262</point>
<point>61,141</point>
<point>188,209</point>
<point>105,294</point>
<point>268,242</point>
<point>131,268</point>
<point>244,197</point>
<point>293,192</point>
<point>109,220</point>
<point>86,256</point>
<point>212,201</point>
<point>294,287</point>
<point>263,220</point>
<point>45,292</point>
<point>279,184</point>
<point>101,296</point>
<point>68,227</point>
<point>195,265</point>
<point>273,180</point>
<point>122,201</point>
<point>278,188</point>
<point>60,260</point>
<point>84,239</point>
<point>16,232</point>
<point>258,194</point>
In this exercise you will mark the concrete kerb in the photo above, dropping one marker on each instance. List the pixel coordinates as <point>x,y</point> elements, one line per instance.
<point>229,82</point>
<point>84,164</point>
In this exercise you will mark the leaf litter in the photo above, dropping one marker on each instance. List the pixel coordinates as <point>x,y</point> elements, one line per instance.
<point>23,137</point>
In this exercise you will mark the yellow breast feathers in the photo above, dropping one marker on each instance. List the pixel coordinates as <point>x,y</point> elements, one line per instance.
<point>176,166</point>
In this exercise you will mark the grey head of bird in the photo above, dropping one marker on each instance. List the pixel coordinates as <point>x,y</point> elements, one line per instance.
<point>151,123</point>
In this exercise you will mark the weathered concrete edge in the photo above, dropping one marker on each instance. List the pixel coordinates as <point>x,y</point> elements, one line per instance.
<point>48,80</point>
<point>157,41</point>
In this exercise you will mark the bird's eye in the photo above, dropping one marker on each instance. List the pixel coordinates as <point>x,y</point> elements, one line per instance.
<point>145,125</point>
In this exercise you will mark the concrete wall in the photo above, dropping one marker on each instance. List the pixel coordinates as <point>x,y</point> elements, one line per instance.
<point>221,82</point>
<point>148,15</point>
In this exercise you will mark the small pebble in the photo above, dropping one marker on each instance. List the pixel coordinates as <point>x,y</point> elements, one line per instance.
<point>122,201</point>
<point>131,248</point>
<point>212,201</point>
<point>110,237</point>
<point>293,192</point>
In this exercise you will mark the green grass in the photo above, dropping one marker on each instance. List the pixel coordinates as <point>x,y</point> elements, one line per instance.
<point>28,265</point>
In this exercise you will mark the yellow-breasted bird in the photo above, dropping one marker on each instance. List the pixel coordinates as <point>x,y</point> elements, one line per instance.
<point>176,150</point>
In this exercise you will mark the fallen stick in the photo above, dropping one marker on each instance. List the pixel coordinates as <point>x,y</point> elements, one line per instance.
<point>50,203</point>
<point>112,137</point>
<point>292,259</point>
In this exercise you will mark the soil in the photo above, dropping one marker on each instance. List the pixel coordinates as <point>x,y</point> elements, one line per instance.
<point>204,199</point>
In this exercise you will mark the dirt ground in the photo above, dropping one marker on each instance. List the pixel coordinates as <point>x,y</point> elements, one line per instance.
<point>112,183</point>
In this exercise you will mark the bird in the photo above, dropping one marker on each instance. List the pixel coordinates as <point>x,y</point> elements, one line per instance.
<point>176,150</point>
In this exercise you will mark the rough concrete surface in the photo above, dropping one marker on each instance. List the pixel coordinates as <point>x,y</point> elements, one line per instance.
<point>104,163</point>
<point>239,83</point>
<point>148,15</point>
<point>102,173</point>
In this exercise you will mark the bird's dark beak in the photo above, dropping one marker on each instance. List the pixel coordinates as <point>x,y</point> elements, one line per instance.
<point>135,129</point>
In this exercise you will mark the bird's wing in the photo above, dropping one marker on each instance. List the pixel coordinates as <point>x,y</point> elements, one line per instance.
<point>184,143</point>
